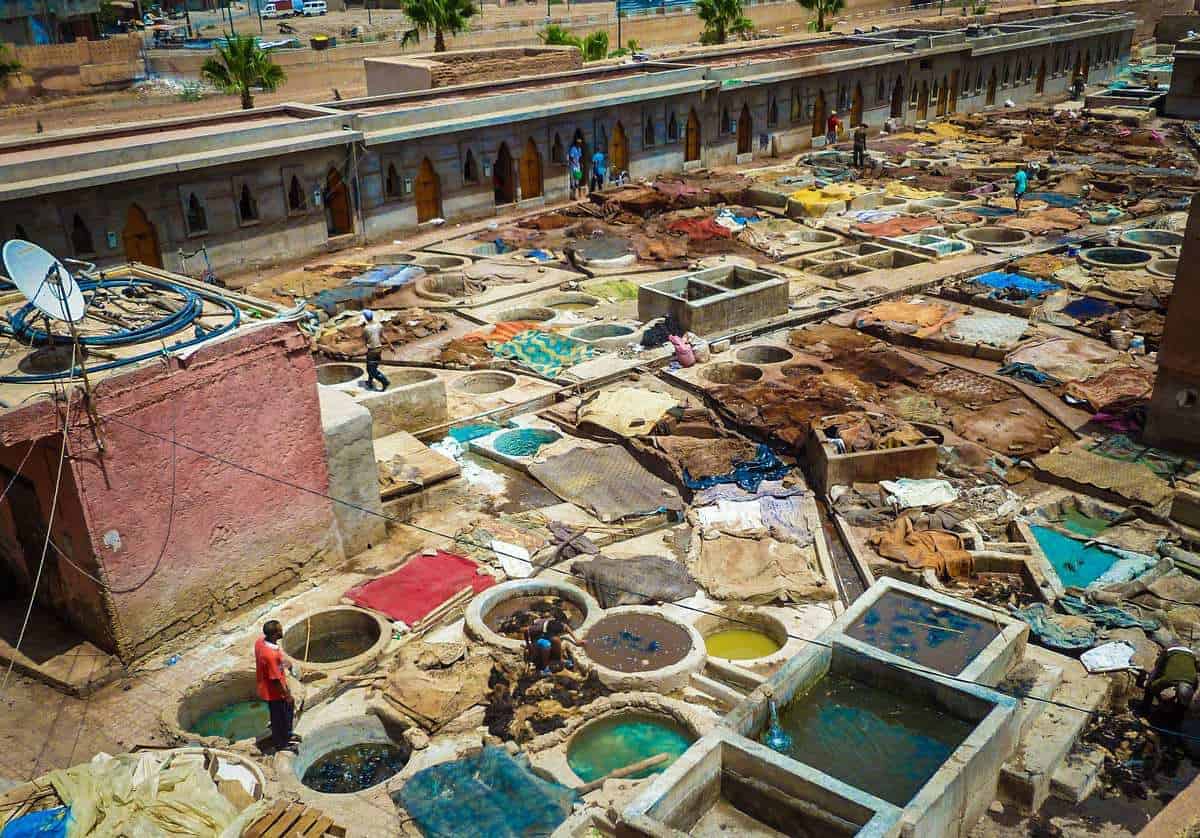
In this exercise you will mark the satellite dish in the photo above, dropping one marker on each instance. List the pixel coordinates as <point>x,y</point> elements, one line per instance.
<point>44,281</point>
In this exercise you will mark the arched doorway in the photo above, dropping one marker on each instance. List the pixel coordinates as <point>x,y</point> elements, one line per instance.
<point>897,99</point>
<point>745,131</point>
<point>818,123</point>
<point>923,102</point>
<point>856,106</point>
<point>943,97</point>
<point>427,189</point>
<point>140,238</point>
<point>504,183</point>
<point>531,171</point>
<point>691,146</point>
<point>991,94</point>
<point>618,151</point>
<point>1041,78</point>
<point>338,220</point>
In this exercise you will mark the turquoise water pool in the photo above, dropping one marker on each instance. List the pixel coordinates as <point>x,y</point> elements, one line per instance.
<point>620,740</point>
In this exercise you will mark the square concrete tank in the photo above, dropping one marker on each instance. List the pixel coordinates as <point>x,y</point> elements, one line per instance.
<point>715,300</point>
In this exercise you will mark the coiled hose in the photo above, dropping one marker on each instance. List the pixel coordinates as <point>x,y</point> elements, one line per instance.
<point>20,325</point>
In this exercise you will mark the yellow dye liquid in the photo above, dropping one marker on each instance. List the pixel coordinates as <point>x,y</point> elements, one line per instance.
<point>740,644</point>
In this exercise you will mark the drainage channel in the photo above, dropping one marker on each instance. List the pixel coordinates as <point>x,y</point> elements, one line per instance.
<point>850,583</point>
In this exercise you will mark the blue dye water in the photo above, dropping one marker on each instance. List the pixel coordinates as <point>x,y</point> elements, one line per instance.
<point>990,212</point>
<point>923,631</point>
<point>524,442</point>
<point>466,433</point>
<point>776,737</point>
<point>1076,563</point>
<point>355,768</point>
<point>882,742</point>
<point>617,741</point>
<point>240,720</point>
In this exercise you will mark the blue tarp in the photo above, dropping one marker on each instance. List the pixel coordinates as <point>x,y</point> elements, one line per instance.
<point>747,474</point>
<point>48,823</point>
<point>389,276</point>
<point>1052,198</point>
<point>1000,280</point>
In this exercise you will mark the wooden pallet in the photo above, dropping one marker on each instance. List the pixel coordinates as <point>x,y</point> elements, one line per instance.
<point>294,820</point>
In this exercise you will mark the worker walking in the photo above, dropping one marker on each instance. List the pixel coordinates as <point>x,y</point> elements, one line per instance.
<point>1172,683</point>
<point>599,171</point>
<point>1020,186</point>
<point>373,334</point>
<point>831,128</point>
<point>270,677</point>
<point>860,146</point>
<point>544,644</point>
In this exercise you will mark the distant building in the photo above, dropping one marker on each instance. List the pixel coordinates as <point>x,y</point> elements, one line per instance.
<point>25,22</point>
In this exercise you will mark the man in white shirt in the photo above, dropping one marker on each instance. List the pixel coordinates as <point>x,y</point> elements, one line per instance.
<point>373,333</point>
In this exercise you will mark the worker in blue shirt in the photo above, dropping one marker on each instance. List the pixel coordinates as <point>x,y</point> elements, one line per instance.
<point>575,167</point>
<point>1020,185</point>
<point>599,170</point>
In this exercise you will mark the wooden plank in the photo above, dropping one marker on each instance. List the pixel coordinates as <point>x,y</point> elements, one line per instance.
<point>307,820</point>
<point>418,465</point>
<point>284,824</point>
<point>264,823</point>
<point>319,828</point>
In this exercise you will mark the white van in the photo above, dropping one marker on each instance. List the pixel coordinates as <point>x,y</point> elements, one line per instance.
<point>315,7</point>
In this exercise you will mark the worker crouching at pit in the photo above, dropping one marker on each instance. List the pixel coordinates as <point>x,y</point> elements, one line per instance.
<point>544,648</point>
<point>1172,684</point>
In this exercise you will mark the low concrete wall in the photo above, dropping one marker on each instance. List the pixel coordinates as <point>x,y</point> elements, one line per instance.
<point>78,67</point>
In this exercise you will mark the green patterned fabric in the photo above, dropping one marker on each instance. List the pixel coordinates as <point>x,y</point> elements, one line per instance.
<point>545,353</point>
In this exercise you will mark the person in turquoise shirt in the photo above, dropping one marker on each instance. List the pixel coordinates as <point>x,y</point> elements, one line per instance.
<point>1020,185</point>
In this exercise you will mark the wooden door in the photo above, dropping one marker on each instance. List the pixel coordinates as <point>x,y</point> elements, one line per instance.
<point>898,99</point>
<point>531,171</point>
<point>923,102</point>
<point>338,219</point>
<point>943,97</point>
<point>618,151</point>
<point>953,107</point>
<point>504,184</point>
<point>427,189</point>
<point>818,123</point>
<point>856,106</point>
<point>1041,77</point>
<point>140,238</point>
<point>692,141</point>
<point>745,131</point>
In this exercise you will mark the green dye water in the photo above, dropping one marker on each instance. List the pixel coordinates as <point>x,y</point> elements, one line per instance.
<point>882,742</point>
<point>1076,563</point>
<point>616,741</point>
<point>1077,522</point>
<point>240,720</point>
<point>740,644</point>
<point>524,442</point>
<point>613,289</point>
<point>355,768</point>
<point>923,631</point>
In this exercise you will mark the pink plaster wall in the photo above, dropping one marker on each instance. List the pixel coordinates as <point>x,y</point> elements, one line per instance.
<point>233,538</point>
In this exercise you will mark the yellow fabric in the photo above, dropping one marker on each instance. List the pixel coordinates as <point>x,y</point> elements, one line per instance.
<point>628,411</point>
<point>142,796</point>
<point>818,201</point>
<point>903,190</point>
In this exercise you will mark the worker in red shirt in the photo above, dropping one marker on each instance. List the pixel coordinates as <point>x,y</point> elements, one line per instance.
<point>831,128</point>
<point>270,665</point>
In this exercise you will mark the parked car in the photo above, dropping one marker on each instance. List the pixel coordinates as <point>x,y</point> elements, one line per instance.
<point>270,11</point>
<point>315,7</point>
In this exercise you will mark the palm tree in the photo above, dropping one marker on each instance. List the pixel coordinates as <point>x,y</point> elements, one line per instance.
<point>557,36</point>
<point>8,69</point>
<point>722,18</point>
<point>595,46</point>
<point>823,8</point>
<point>441,16</point>
<point>240,65</point>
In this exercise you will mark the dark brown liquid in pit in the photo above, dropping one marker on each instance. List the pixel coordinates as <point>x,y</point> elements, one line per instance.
<point>636,642</point>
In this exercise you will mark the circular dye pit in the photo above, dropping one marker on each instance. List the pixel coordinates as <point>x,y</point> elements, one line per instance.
<point>394,257</point>
<point>600,331</point>
<point>333,374</point>
<point>225,705</point>
<point>484,383</point>
<point>441,286</point>
<point>994,236</point>
<point>1115,258</point>
<point>615,741</point>
<point>742,635</point>
<point>936,203</point>
<point>1157,239</point>
<point>812,237</point>
<point>1163,267</point>
<point>635,641</point>
<point>731,373</point>
<point>51,359</point>
<point>500,614</point>
<point>247,719</point>
<point>399,377</point>
<point>764,355</point>
<point>524,442</point>
<point>349,757</point>
<point>573,302</point>
<point>335,637</point>
<point>533,314</point>
<point>801,370</point>
<point>433,262</point>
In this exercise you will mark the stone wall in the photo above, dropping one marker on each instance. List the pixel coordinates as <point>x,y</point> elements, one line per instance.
<point>181,539</point>
<point>77,67</point>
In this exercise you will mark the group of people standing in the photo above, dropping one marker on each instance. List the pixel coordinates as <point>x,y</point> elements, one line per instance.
<point>597,167</point>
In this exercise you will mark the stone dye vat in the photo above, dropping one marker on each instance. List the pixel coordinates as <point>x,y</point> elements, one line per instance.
<point>620,739</point>
<point>1115,258</point>
<point>248,719</point>
<point>933,748</point>
<point>715,300</point>
<point>931,246</point>
<point>729,786</point>
<point>1152,239</point>
<point>1078,564</point>
<point>740,644</point>
<point>994,237</point>
<point>415,399</point>
<point>349,756</point>
<point>336,638</point>
<point>744,635</point>
<point>923,627</point>
<point>222,706</point>
<point>639,647</point>
<point>499,615</point>
<point>330,375</point>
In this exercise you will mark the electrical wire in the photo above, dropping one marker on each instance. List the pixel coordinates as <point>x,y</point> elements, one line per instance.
<point>467,541</point>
